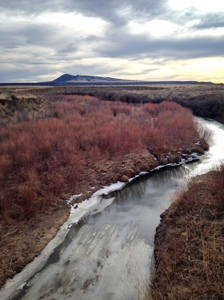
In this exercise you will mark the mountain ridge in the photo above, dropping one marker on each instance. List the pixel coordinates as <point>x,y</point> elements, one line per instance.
<point>85,80</point>
<point>68,78</point>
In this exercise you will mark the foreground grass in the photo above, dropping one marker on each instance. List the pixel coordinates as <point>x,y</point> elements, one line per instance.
<point>189,242</point>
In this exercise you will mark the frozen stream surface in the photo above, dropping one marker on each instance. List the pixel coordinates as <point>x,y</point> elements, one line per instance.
<point>105,249</point>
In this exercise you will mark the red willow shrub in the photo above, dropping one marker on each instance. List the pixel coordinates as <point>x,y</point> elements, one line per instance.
<point>43,159</point>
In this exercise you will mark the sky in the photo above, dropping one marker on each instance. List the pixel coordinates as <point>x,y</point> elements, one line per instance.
<point>134,39</point>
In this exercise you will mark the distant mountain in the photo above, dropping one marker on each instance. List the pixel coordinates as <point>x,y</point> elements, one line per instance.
<point>87,78</point>
<point>67,79</point>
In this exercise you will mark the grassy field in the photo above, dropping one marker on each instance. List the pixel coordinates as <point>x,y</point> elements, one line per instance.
<point>205,100</point>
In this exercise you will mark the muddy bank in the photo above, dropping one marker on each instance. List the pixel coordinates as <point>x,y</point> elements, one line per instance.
<point>16,107</point>
<point>20,243</point>
<point>189,242</point>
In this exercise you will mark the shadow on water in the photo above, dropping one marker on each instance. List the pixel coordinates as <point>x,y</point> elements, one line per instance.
<point>138,186</point>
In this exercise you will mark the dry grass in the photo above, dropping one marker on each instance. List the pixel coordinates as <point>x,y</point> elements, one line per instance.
<point>205,100</point>
<point>189,243</point>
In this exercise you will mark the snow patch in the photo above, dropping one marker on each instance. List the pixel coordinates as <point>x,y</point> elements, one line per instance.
<point>73,198</point>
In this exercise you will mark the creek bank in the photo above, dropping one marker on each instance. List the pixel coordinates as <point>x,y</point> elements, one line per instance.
<point>20,243</point>
<point>189,242</point>
<point>20,106</point>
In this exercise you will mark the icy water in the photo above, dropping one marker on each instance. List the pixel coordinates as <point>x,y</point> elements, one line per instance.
<point>105,249</point>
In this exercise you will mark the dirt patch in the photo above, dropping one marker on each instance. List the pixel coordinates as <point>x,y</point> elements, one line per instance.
<point>189,243</point>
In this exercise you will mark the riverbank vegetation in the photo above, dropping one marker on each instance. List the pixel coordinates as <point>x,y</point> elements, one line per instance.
<point>42,159</point>
<point>209,104</point>
<point>79,144</point>
<point>189,242</point>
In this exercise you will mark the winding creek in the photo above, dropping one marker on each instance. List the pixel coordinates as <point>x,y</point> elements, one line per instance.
<point>105,249</point>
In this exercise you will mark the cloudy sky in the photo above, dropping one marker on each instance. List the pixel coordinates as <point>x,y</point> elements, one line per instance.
<point>132,39</point>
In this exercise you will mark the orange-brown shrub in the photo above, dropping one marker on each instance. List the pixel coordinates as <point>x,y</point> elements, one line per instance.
<point>40,160</point>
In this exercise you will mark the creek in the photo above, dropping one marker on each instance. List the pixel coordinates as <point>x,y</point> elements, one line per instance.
<point>105,249</point>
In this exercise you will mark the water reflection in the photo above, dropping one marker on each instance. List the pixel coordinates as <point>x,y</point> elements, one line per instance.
<point>138,187</point>
<point>142,200</point>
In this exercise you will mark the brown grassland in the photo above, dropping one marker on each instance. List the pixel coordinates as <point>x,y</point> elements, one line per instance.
<point>189,243</point>
<point>60,142</point>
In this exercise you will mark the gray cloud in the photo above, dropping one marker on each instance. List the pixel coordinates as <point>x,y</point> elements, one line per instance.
<point>211,21</point>
<point>68,49</point>
<point>126,45</point>
<point>30,48</point>
<point>111,10</point>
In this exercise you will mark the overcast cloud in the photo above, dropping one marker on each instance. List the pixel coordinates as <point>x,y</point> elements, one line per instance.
<point>142,40</point>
